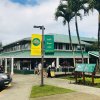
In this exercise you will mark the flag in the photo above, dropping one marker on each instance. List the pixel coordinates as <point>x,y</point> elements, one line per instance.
<point>36,44</point>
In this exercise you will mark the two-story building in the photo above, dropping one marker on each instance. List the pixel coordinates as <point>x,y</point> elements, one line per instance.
<point>17,55</point>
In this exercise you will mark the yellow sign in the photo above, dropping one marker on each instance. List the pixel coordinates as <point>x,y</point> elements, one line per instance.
<point>36,44</point>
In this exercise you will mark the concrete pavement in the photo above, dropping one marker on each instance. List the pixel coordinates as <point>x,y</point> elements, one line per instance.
<point>79,88</point>
<point>69,96</point>
<point>22,84</point>
<point>20,89</point>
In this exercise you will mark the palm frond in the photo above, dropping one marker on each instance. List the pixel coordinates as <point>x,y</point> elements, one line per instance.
<point>79,15</point>
<point>58,14</point>
<point>94,4</point>
<point>64,21</point>
<point>63,10</point>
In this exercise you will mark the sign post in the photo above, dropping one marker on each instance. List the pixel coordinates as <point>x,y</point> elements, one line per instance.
<point>85,68</point>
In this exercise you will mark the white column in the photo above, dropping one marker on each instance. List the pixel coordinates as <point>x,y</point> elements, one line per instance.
<point>0,61</point>
<point>74,62</point>
<point>30,65</point>
<point>5,65</point>
<point>18,65</point>
<point>12,66</point>
<point>57,62</point>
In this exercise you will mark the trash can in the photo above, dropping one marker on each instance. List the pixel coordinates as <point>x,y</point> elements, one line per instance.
<point>52,72</point>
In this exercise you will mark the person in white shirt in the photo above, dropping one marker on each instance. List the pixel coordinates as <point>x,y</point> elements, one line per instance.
<point>39,68</point>
<point>53,65</point>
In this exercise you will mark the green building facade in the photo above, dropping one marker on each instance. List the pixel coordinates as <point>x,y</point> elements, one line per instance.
<point>17,55</point>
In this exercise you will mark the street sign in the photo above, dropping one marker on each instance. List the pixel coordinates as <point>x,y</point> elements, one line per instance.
<point>80,67</point>
<point>90,68</point>
<point>49,44</point>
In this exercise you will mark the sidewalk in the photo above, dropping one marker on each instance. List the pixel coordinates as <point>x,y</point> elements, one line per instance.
<point>69,96</point>
<point>20,89</point>
<point>22,84</point>
<point>82,92</point>
<point>79,88</point>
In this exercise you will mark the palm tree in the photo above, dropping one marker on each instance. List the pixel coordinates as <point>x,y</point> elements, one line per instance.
<point>64,11</point>
<point>95,4</point>
<point>76,6</point>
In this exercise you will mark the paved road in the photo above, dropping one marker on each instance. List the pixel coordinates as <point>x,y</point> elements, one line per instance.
<point>22,84</point>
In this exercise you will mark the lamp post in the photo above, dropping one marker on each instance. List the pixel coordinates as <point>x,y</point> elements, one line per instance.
<point>42,46</point>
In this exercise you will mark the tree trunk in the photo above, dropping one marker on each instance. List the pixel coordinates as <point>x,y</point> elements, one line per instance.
<point>78,37</point>
<point>99,39</point>
<point>70,39</point>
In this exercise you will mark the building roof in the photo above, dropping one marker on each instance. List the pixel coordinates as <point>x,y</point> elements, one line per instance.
<point>26,54</point>
<point>65,39</point>
<point>90,40</point>
<point>94,53</point>
<point>60,38</point>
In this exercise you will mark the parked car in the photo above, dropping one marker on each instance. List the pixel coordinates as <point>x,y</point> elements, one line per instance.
<point>5,79</point>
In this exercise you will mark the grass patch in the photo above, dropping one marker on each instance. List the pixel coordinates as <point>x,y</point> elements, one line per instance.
<point>88,80</point>
<point>69,77</point>
<point>46,90</point>
<point>98,85</point>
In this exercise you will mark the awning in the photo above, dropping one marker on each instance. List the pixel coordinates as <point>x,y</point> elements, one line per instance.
<point>57,53</point>
<point>94,53</point>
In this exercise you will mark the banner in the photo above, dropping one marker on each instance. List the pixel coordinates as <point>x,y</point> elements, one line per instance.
<point>36,44</point>
<point>49,44</point>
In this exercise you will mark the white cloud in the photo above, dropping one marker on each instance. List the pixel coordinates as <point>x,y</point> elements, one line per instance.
<point>16,21</point>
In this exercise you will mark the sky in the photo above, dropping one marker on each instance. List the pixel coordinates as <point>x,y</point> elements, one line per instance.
<point>17,18</point>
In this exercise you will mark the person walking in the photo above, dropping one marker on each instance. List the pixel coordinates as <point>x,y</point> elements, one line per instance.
<point>48,71</point>
<point>53,65</point>
<point>36,68</point>
<point>52,71</point>
<point>39,68</point>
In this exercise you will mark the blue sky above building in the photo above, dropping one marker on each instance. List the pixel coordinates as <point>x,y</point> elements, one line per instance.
<point>17,18</point>
<point>25,2</point>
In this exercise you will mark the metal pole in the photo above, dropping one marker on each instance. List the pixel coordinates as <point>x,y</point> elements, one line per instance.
<point>42,81</point>
<point>42,51</point>
<point>99,40</point>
